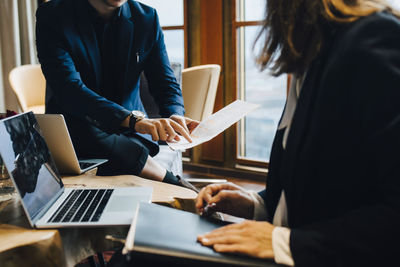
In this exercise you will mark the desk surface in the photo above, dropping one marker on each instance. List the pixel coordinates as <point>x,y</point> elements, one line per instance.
<point>21,245</point>
<point>162,192</point>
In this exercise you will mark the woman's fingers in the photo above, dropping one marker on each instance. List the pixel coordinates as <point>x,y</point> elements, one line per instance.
<point>211,194</point>
<point>249,237</point>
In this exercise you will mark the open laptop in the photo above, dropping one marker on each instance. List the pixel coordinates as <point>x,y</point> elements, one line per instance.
<point>46,202</point>
<point>55,132</point>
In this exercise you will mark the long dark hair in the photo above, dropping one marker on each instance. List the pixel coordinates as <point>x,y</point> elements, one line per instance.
<point>293,31</point>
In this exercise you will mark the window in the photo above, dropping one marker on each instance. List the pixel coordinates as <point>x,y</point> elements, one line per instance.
<point>256,131</point>
<point>395,4</point>
<point>172,19</point>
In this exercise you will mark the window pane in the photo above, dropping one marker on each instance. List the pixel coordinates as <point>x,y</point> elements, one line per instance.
<point>174,40</point>
<point>248,10</point>
<point>170,12</point>
<point>395,4</point>
<point>257,130</point>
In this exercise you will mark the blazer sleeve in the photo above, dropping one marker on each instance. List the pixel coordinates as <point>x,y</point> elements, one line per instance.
<point>368,235</point>
<point>162,82</point>
<point>64,80</point>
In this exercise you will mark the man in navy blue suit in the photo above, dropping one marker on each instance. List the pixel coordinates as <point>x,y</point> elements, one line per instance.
<point>92,53</point>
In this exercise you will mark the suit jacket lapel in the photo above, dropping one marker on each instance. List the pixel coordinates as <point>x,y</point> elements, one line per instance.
<point>124,41</point>
<point>89,39</point>
<point>297,137</point>
<point>301,124</point>
<point>308,96</point>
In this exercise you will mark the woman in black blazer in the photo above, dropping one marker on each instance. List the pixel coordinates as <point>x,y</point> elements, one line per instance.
<point>333,187</point>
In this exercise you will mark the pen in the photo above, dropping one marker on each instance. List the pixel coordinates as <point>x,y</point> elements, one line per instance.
<point>208,210</point>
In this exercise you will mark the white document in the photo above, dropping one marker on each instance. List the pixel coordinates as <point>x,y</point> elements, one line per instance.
<point>215,124</point>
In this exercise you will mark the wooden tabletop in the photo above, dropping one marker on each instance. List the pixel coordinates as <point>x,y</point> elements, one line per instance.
<point>28,247</point>
<point>162,192</point>
<point>20,245</point>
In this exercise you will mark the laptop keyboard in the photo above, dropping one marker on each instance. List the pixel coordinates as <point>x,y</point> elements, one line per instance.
<point>84,165</point>
<point>82,205</point>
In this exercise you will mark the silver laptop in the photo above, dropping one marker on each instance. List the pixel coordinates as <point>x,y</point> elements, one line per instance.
<point>47,203</point>
<point>55,132</point>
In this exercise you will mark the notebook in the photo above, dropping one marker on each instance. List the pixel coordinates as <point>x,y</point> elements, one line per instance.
<point>55,132</point>
<point>170,235</point>
<point>46,202</point>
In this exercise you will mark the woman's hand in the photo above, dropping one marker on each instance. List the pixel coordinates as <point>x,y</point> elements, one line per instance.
<point>227,198</point>
<point>249,238</point>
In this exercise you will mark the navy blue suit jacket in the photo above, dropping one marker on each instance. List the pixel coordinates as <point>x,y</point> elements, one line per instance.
<point>71,63</point>
<point>340,170</point>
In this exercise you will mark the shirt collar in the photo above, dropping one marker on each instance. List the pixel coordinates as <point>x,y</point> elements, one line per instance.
<point>121,11</point>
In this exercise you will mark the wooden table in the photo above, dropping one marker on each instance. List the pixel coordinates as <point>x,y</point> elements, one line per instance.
<point>20,245</point>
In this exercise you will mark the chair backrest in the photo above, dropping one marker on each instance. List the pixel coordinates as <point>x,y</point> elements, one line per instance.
<point>149,104</point>
<point>199,88</point>
<point>29,85</point>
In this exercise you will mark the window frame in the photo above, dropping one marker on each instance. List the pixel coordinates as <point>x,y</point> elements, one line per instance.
<point>212,40</point>
<point>185,32</point>
<point>239,133</point>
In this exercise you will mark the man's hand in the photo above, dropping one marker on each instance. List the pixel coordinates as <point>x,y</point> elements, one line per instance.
<point>249,238</point>
<point>162,129</point>
<point>227,198</point>
<point>187,123</point>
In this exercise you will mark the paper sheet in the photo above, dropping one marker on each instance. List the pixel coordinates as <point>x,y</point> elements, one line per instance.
<point>215,124</point>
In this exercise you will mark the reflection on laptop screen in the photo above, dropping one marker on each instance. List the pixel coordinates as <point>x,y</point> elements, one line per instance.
<point>29,162</point>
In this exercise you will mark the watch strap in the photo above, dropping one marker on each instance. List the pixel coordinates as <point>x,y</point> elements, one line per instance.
<point>132,122</point>
<point>134,118</point>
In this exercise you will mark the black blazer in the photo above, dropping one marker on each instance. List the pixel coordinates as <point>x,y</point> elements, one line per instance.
<point>341,167</point>
<point>70,58</point>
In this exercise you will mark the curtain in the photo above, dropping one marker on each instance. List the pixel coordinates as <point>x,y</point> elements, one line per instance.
<point>17,44</point>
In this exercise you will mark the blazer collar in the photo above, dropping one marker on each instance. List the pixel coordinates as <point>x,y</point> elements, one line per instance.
<point>88,36</point>
<point>123,44</point>
<point>125,11</point>
<point>124,39</point>
<point>122,12</point>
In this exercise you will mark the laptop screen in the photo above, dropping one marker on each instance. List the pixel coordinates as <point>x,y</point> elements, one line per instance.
<point>29,162</point>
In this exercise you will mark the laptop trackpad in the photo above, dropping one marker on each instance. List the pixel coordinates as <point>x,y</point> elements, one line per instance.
<point>123,203</point>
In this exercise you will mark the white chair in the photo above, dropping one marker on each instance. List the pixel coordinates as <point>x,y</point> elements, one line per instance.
<point>199,88</point>
<point>29,85</point>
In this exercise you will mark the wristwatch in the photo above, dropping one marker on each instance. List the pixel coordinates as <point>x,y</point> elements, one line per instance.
<point>136,115</point>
